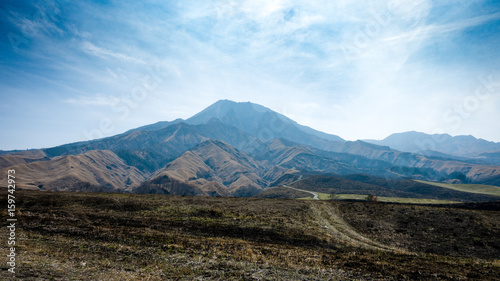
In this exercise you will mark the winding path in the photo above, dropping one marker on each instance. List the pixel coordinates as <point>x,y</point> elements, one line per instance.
<point>327,216</point>
<point>315,195</point>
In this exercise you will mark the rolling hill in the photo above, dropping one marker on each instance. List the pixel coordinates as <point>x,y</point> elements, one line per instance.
<point>96,170</point>
<point>218,169</point>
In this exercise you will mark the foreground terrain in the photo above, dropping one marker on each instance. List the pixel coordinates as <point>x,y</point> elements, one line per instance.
<point>82,236</point>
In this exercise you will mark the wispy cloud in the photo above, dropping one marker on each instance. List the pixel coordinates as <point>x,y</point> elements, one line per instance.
<point>412,60</point>
<point>98,100</point>
<point>104,53</point>
<point>432,30</point>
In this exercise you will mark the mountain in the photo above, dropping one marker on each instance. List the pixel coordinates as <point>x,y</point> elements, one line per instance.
<point>416,142</point>
<point>260,121</point>
<point>150,150</point>
<point>229,149</point>
<point>254,119</point>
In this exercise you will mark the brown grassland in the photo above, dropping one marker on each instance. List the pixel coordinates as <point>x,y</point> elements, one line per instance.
<point>91,236</point>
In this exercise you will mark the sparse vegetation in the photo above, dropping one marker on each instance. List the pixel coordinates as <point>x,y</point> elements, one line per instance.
<point>282,193</point>
<point>82,236</point>
<point>371,198</point>
<point>332,196</point>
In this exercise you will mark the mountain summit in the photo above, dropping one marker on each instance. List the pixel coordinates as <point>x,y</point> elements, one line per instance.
<point>258,120</point>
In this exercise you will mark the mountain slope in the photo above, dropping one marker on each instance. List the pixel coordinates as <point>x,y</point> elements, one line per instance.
<point>151,150</point>
<point>94,170</point>
<point>23,157</point>
<point>289,155</point>
<point>217,169</point>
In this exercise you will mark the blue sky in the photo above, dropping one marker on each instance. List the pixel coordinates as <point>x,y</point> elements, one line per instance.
<point>77,70</point>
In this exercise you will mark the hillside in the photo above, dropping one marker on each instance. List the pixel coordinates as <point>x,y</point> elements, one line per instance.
<point>218,169</point>
<point>151,150</point>
<point>472,188</point>
<point>24,157</point>
<point>154,237</point>
<point>94,170</point>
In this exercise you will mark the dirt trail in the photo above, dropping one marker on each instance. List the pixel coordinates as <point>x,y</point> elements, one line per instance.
<point>328,218</point>
<point>315,195</point>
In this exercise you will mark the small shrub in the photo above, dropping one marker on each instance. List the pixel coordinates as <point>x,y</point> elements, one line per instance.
<point>371,198</point>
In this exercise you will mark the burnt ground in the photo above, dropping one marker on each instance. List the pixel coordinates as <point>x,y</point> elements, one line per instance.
<point>82,236</point>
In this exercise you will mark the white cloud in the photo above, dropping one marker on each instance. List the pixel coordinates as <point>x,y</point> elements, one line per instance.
<point>284,54</point>
<point>104,53</point>
<point>98,100</point>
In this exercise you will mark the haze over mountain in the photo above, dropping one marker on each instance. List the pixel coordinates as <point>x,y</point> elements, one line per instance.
<point>228,149</point>
<point>257,120</point>
<point>441,145</point>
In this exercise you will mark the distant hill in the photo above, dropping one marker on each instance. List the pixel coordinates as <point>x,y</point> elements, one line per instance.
<point>23,157</point>
<point>416,142</point>
<point>97,170</point>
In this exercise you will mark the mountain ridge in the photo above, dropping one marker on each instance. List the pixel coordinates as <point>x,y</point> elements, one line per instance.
<point>417,142</point>
<point>227,150</point>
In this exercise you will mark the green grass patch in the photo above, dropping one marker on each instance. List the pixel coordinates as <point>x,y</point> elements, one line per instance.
<point>471,188</point>
<point>325,196</point>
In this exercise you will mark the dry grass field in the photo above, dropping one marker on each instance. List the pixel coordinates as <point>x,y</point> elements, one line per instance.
<point>92,236</point>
